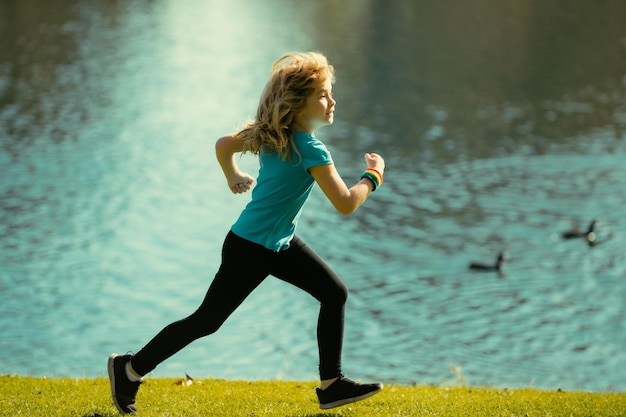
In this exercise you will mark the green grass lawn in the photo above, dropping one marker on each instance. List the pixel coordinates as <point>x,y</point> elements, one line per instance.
<point>33,397</point>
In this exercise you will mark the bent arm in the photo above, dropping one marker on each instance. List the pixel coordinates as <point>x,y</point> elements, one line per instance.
<point>346,200</point>
<point>225,149</point>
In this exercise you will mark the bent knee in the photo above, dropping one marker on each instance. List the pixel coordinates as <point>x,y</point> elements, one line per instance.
<point>337,296</point>
<point>203,326</point>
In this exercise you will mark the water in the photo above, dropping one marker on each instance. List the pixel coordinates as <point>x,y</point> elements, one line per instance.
<point>501,127</point>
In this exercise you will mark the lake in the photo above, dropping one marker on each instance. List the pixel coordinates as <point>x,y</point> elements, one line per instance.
<point>502,125</point>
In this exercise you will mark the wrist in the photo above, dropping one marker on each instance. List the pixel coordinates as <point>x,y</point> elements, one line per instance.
<point>377,171</point>
<point>374,176</point>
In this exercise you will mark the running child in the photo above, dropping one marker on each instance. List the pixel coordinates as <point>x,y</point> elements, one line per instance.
<point>296,101</point>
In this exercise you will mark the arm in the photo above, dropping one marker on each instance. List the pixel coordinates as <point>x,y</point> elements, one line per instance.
<point>346,200</point>
<point>225,149</point>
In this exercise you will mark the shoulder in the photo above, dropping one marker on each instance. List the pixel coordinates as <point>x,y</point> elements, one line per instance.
<point>304,137</point>
<point>303,140</point>
<point>311,150</point>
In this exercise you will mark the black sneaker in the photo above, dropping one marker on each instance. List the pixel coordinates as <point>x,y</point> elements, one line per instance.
<point>345,391</point>
<point>123,390</point>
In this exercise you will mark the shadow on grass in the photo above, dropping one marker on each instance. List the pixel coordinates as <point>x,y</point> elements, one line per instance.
<point>318,415</point>
<point>108,414</point>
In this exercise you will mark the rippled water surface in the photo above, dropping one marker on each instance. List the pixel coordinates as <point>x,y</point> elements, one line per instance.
<point>501,127</point>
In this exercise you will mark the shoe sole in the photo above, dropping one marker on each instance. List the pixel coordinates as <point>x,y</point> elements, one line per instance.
<point>345,401</point>
<point>111,370</point>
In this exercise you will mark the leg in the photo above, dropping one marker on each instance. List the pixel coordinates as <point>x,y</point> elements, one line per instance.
<point>302,267</point>
<point>232,284</point>
<point>244,267</point>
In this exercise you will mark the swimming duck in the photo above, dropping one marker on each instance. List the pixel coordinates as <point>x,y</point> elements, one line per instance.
<point>577,233</point>
<point>478,266</point>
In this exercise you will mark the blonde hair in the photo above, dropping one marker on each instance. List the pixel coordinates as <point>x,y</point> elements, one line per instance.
<point>294,77</point>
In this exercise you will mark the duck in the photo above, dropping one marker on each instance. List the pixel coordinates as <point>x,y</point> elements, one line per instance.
<point>577,233</point>
<point>479,266</point>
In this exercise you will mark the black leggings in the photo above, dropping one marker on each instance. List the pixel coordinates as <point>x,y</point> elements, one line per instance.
<point>244,266</point>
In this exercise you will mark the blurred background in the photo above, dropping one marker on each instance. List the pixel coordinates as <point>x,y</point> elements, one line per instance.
<point>502,124</point>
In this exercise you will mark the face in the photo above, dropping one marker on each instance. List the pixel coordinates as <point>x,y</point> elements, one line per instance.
<point>318,110</point>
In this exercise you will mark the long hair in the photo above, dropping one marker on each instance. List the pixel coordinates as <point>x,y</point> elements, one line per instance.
<point>294,77</point>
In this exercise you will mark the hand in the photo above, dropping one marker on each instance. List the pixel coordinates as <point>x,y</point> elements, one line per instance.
<point>240,183</point>
<point>375,161</point>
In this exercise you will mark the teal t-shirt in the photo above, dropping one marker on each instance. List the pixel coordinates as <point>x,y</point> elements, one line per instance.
<point>282,188</point>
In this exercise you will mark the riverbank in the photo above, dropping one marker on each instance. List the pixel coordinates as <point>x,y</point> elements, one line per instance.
<point>34,397</point>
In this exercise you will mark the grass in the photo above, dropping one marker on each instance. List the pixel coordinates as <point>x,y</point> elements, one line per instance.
<point>33,397</point>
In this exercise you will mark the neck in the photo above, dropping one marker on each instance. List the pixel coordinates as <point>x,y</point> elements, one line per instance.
<point>297,127</point>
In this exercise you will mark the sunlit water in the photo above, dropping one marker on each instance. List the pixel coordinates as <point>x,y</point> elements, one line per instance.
<point>113,208</point>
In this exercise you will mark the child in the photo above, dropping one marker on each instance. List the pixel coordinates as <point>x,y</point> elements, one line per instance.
<point>296,101</point>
